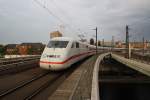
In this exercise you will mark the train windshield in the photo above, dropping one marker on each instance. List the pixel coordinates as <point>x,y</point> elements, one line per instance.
<point>57,44</point>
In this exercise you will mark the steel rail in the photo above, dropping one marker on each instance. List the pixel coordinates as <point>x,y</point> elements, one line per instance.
<point>10,66</point>
<point>17,63</point>
<point>9,91</point>
<point>42,87</point>
<point>7,59</point>
<point>17,60</point>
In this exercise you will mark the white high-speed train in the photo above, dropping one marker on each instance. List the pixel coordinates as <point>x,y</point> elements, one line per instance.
<point>62,52</point>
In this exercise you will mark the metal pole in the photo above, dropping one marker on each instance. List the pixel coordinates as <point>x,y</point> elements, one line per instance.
<point>127,41</point>
<point>112,43</point>
<point>96,40</point>
<point>143,45</point>
<point>103,45</point>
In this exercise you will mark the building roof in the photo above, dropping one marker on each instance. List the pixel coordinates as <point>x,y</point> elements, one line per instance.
<point>11,46</point>
<point>34,45</point>
<point>31,44</point>
<point>63,38</point>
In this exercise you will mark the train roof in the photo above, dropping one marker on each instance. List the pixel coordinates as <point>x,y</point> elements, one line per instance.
<point>70,39</point>
<point>66,39</point>
<point>63,38</point>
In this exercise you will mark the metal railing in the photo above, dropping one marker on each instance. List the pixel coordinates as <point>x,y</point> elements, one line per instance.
<point>95,84</point>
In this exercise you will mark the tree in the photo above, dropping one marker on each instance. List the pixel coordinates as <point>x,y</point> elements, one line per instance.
<point>30,51</point>
<point>2,51</point>
<point>92,41</point>
<point>99,43</point>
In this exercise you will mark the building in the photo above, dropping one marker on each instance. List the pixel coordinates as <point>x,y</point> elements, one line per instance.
<point>55,34</point>
<point>104,43</point>
<point>138,45</point>
<point>31,48</point>
<point>147,44</point>
<point>107,44</point>
<point>11,49</point>
<point>120,44</point>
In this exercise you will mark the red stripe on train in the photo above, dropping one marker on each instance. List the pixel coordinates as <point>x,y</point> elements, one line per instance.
<point>72,57</point>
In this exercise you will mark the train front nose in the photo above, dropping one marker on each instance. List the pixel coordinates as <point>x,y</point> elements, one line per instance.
<point>53,67</point>
<point>54,54</point>
<point>45,65</point>
<point>51,62</point>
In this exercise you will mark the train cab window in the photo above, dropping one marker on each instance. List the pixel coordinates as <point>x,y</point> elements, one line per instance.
<point>77,45</point>
<point>57,44</point>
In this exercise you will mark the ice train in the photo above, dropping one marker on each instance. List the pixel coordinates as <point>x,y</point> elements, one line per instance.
<point>61,52</point>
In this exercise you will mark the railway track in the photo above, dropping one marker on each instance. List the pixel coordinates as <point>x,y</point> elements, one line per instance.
<point>4,59</point>
<point>42,87</point>
<point>16,60</point>
<point>28,88</point>
<point>18,66</point>
<point>12,80</point>
<point>32,88</point>
<point>11,90</point>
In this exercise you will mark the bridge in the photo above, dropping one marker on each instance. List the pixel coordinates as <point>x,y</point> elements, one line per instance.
<point>105,76</point>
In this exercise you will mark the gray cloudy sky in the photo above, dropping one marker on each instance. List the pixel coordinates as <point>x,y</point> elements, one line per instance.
<point>27,21</point>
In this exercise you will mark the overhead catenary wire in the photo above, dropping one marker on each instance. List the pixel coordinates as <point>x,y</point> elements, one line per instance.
<point>48,10</point>
<point>56,16</point>
<point>61,10</point>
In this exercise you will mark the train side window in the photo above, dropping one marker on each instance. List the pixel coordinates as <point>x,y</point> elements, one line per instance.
<point>80,46</point>
<point>77,45</point>
<point>72,45</point>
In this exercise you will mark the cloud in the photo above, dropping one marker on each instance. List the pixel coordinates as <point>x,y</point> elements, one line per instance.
<point>27,18</point>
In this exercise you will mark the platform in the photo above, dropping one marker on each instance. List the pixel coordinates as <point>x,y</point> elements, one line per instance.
<point>141,67</point>
<point>78,84</point>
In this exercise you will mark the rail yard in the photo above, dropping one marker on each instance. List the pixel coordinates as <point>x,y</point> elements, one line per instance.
<point>115,80</point>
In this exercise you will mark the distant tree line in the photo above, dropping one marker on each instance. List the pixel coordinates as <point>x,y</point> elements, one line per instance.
<point>2,51</point>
